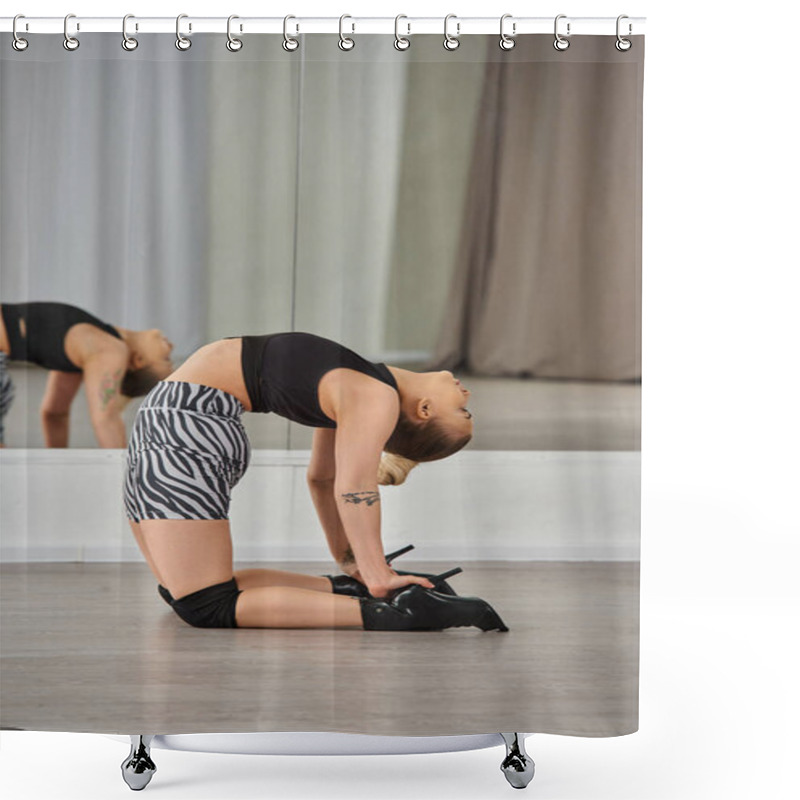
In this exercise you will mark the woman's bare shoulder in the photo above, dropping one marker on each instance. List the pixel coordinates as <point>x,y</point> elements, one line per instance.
<point>346,393</point>
<point>85,342</point>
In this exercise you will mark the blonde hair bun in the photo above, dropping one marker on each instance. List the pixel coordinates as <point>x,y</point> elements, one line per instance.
<point>394,469</point>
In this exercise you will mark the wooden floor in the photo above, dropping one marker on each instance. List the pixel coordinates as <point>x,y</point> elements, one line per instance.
<point>91,647</point>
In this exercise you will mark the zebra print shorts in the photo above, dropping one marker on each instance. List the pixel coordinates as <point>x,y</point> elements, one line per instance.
<point>6,393</point>
<point>187,450</point>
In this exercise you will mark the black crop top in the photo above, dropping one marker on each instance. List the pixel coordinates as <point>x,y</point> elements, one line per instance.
<point>282,372</point>
<point>36,332</point>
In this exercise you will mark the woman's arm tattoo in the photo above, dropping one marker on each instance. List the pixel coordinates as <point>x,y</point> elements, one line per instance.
<point>362,497</point>
<point>109,386</point>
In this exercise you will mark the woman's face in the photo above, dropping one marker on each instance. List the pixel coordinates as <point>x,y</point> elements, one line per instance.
<point>155,350</point>
<point>450,402</point>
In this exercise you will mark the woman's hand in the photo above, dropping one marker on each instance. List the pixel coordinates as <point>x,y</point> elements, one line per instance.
<point>393,582</point>
<point>384,584</point>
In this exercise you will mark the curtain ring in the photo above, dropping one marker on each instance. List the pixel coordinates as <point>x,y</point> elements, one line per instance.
<point>451,42</point>
<point>233,44</point>
<point>18,43</point>
<point>181,42</point>
<point>345,42</point>
<point>290,44</point>
<point>561,43</point>
<point>70,42</point>
<point>623,45</point>
<point>129,43</point>
<point>400,42</point>
<point>507,42</point>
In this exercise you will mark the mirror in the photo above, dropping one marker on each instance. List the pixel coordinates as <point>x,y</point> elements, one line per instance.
<point>345,195</point>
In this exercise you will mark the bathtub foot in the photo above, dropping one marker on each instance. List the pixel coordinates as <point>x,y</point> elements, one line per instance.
<point>138,768</point>
<point>517,766</point>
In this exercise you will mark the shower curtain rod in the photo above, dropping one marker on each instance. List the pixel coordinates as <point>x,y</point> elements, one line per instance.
<point>252,25</point>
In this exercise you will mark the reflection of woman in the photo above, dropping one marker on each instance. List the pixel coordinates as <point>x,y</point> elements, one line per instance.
<point>114,363</point>
<point>188,449</point>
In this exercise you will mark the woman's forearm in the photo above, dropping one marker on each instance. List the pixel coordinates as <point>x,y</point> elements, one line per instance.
<point>360,512</point>
<point>325,503</point>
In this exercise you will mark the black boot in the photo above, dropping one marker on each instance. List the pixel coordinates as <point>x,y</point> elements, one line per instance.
<point>344,584</point>
<point>439,585</point>
<point>418,609</point>
<point>443,587</point>
<point>402,551</point>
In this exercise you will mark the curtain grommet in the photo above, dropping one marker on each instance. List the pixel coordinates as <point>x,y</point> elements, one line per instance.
<point>233,44</point>
<point>290,43</point>
<point>401,43</point>
<point>507,41</point>
<point>129,43</point>
<point>181,41</point>
<point>561,43</point>
<point>17,42</point>
<point>622,44</point>
<point>345,42</point>
<point>451,42</point>
<point>70,43</point>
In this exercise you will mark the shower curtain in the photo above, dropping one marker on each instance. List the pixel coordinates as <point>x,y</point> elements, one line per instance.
<point>476,210</point>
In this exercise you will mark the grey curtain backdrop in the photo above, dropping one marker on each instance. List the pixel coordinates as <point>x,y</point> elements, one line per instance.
<point>482,214</point>
<point>547,280</point>
<point>213,194</point>
<point>104,183</point>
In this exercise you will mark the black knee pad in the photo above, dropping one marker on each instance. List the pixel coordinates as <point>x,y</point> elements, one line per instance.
<point>165,595</point>
<point>212,607</point>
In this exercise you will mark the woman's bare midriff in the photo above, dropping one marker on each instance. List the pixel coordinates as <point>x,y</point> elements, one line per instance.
<point>218,365</point>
